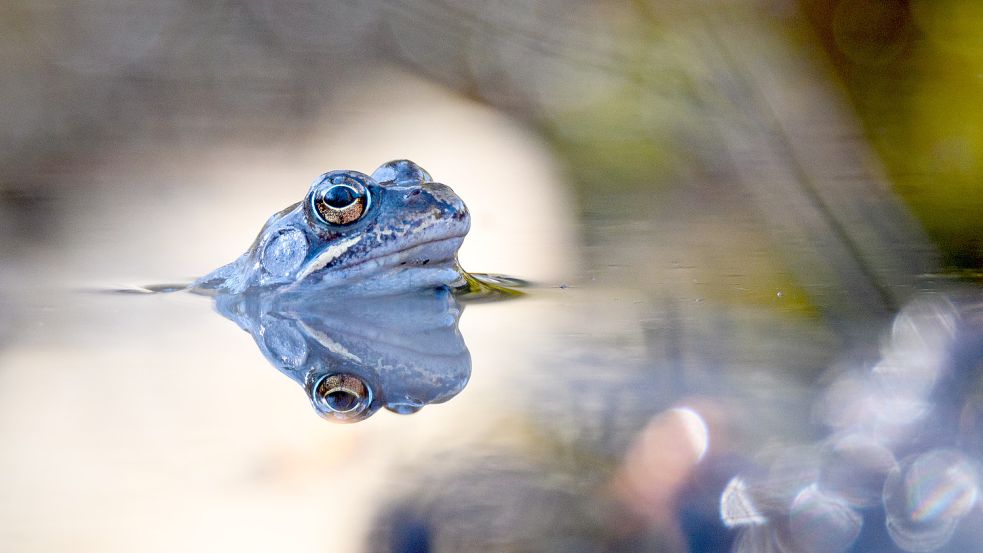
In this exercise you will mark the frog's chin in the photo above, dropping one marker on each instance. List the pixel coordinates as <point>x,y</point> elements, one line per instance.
<point>394,281</point>
<point>426,265</point>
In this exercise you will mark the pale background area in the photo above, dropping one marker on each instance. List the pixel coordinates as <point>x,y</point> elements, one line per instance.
<point>163,211</point>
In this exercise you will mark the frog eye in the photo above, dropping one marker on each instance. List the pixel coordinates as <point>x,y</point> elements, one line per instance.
<point>341,396</point>
<point>341,204</point>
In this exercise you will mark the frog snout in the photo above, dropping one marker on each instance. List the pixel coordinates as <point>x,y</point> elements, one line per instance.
<point>450,204</point>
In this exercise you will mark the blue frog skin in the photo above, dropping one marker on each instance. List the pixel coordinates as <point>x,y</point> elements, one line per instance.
<point>353,233</point>
<point>354,355</point>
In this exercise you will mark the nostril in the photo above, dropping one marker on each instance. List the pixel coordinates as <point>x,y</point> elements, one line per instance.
<point>412,193</point>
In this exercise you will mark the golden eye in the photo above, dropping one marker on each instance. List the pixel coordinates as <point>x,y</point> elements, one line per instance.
<point>342,395</point>
<point>341,204</point>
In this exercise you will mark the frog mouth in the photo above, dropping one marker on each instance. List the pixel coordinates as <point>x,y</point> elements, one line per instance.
<point>435,252</point>
<point>436,255</point>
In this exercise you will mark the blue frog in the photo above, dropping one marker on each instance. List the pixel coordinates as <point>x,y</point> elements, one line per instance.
<point>387,233</point>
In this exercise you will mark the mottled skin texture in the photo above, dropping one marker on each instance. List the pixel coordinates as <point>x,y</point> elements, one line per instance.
<point>407,238</point>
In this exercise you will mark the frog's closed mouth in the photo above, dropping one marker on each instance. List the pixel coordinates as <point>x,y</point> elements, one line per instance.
<point>389,232</point>
<point>433,258</point>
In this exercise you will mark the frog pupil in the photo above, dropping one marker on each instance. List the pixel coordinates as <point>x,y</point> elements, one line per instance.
<point>342,401</point>
<point>340,196</point>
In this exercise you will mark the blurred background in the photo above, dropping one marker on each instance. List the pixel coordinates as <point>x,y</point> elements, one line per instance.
<point>778,107</point>
<point>737,189</point>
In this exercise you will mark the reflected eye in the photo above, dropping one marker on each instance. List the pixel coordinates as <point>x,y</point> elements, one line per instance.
<point>342,395</point>
<point>341,204</point>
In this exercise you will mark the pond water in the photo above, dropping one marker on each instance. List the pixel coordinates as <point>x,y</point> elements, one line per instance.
<point>577,417</point>
<point>663,383</point>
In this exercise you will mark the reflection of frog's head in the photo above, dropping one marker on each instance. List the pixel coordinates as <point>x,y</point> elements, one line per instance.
<point>355,355</point>
<point>395,230</point>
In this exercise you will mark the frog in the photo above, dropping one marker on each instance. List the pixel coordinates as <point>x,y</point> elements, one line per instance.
<point>388,232</point>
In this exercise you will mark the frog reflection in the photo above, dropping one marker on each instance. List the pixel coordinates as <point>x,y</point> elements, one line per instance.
<point>390,232</point>
<point>354,356</point>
